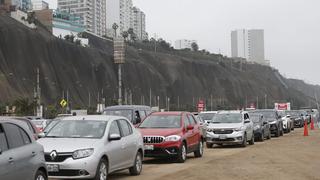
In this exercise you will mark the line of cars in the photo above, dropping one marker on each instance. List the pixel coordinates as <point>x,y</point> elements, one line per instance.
<point>91,147</point>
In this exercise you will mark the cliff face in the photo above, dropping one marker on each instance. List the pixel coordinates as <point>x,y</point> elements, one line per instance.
<point>179,75</point>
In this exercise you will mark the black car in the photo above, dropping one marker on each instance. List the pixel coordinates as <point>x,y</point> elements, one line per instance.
<point>297,117</point>
<point>271,115</point>
<point>261,127</point>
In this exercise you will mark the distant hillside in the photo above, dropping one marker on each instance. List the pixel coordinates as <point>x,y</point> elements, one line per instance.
<point>182,75</point>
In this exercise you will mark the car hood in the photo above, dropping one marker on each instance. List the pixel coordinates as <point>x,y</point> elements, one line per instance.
<point>66,144</point>
<point>159,132</point>
<point>225,125</point>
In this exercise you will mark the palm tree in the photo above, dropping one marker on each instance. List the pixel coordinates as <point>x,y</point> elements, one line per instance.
<point>125,35</point>
<point>115,26</point>
<point>131,33</point>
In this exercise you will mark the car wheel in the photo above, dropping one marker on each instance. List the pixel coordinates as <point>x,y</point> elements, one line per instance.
<point>40,175</point>
<point>277,134</point>
<point>269,135</point>
<point>137,167</point>
<point>244,142</point>
<point>199,152</point>
<point>209,145</point>
<point>281,132</point>
<point>262,136</point>
<point>251,142</point>
<point>182,156</point>
<point>102,170</point>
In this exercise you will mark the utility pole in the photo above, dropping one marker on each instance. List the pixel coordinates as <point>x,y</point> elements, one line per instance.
<point>265,101</point>
<point>150,98</point>
<point>89,100</point>
<point>168,104</point>
<point>257,106</point>
<point>178,103</point>
<point>158,101</point>
<point>67,109</point>
<point>210,102</point>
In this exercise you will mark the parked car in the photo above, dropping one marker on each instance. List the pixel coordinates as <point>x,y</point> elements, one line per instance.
<point>276,124</point>
<point>297,117</point>
<point>261,127</point>
<point>207,116</point>
<point>172,134</point>
<point>28,124</point>
<point>203,125</point>
<point>85,147</point>
<point>135,113</point>
<point>21,157</point>
<point>305,116</point>
<point>41,124</point>
<point>287,121</point>
<point>230,127</point>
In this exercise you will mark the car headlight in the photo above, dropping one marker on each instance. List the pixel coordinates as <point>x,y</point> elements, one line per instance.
<point>242,128</point>
<point>173,138</point>
<point>82,153</point>
<point>210,130</point>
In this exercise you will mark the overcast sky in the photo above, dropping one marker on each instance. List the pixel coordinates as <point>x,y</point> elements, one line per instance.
<point>292,28</point>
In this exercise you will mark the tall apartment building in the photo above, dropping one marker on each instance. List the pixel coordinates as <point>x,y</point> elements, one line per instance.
<point>119,12</point>
<point>248,44</point>
<point>24,5</point>
<point>184,44</point>
<point>92,13</point>
<point>139,23</point>
<point>39,5</point>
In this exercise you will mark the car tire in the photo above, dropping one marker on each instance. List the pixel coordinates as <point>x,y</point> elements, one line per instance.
<point>269,135</point>
<point>262,136</point>
<point>209,145</point>
<point>40,175</point>
<point>199,152</point>
<point>244,142</point>
<point>251,142</point>
<point>182,155</point>
<point>136,169</point>
<point>277,134</point>
<point>281,132</point>
<point>102,170</point>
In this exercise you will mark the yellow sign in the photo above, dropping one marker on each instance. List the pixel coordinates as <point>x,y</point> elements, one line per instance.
<point>63,103</point>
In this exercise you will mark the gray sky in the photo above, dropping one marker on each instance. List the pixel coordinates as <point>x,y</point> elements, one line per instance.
<point>292,28</point>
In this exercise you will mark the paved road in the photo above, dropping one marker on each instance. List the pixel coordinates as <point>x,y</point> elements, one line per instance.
<point>291,157</point>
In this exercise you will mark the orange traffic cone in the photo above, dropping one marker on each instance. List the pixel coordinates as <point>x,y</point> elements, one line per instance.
<point>305,132</point>
<point>312,124</point>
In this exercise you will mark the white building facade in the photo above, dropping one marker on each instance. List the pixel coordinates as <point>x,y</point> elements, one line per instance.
<point>139,23</point>
<point>184,44</point>
<point>248,44</point>
<point>39,5</point>
<point>92,13</point>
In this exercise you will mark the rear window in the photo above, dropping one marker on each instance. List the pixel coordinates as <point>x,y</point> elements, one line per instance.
<point>3,140</point>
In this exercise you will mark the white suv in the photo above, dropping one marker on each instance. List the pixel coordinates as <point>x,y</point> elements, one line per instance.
<point>230,127</point>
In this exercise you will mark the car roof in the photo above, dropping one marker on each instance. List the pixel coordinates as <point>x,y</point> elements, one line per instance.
<point>207,112</point>
<point>21,122</point>
<point>232,112</point>
<point>93,117</point>
<point>169,113</point>
<point>139,107</point>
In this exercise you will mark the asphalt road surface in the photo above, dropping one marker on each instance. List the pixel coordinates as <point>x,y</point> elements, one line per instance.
<point>292,156</point>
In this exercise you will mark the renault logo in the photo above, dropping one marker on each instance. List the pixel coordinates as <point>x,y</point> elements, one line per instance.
<point>149,139</point>
<point>53,155</point>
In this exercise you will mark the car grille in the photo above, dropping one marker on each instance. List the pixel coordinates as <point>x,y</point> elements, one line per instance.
<point>59,158</point>
<point>153,139</point>
<point>223,131</point>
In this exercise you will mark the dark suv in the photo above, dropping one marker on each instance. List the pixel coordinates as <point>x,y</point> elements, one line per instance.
<point>171,134</point>
<point>135,113</point>
<point>271,115</point>
<point>261,127</point>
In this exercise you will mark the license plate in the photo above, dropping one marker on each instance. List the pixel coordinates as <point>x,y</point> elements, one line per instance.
<point>53,167</point>
<point>222,137</point>
<point>148,147</point>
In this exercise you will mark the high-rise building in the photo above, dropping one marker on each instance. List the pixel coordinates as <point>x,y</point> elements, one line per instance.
<point>184,44</point>
<point>139,23</point>
<point>39,5</point>
<point>119,12</point>
<point>248,44</point>
<point>92,13</point>
<point>24,5</point>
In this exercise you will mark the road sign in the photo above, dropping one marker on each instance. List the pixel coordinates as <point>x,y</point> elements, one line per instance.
<point>63,103</point>
<point>201,106</point>
<point>119,50</point>
<point>282,106</point>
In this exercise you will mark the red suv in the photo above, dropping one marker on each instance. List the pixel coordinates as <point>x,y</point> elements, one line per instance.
<point>171,134</point>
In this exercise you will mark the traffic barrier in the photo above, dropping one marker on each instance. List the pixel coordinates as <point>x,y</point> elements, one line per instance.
<point>312,124</point>
<point>305,132</point>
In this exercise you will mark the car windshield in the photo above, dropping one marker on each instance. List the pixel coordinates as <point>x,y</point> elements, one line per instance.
<point>127,113</point>
<point>207,116</point>
<point>78,129</point>
<point>227,118</point>
<point>39,123</point>
<point>161,121</point>
<point>293,113</point>
<point>49,126</point>
<point>268,114</point>
<point>255,118</point>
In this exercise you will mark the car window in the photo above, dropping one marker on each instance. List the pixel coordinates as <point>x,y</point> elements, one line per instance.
<point>14,136</point>
<point>114,128</point>
<point>142,114</point>
<point>25,136</point>
<point>31,128</point>
<point>3,140</point>
<point>192,121</point>
<point>125,127</point>
<point>186,121</point>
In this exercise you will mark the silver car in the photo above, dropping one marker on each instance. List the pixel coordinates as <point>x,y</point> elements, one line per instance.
<point>85,147</point>
<point>230,127</point>
<point>21,157</point>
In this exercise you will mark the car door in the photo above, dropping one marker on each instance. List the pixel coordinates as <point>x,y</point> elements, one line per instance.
<point>7,168</point>
<point>249,126</point>
<point>195,132</point>
<point>129,143</point>
<point>19,142</point>
<point>187,133</point>
<point>116,153</point>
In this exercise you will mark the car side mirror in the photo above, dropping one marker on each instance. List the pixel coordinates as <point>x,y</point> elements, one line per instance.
<point>247,121</point>
<point>137,120</point>
<point>265,123</point>
<point>114,137</point>
<point>279,117</point>
<point>190,127</point>
<point>41,135</point>
<point>0,151</point>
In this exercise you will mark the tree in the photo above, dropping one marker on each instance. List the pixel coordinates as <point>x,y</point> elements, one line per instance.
<point>194,46</point>
<point>115,26</point>
<point>125,35</point>
<point>24,107</point>
<point>133,36</point>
